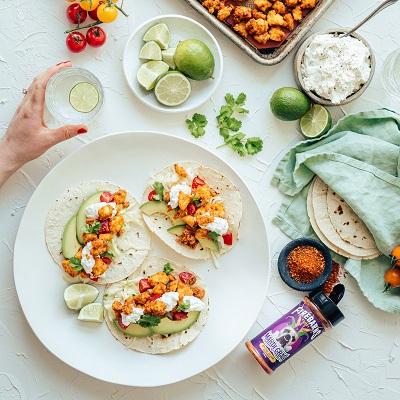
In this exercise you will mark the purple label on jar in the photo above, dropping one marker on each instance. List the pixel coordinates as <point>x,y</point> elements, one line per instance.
<point>287,336</point>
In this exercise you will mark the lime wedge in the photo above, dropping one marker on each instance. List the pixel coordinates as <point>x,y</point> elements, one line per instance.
<point>172,89</point>
<point>150,51</point>
<point>315,122</point>
<point>84,97</point>
<point>158,33</point>
<point>149,72</point>
<point>168,57</point>
<point>79,295</point>
<point>93,312</point>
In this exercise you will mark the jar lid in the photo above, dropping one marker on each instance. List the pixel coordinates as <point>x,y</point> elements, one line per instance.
<point>327,306</point>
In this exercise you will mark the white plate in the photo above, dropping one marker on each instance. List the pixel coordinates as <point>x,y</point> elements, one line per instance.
<point>181,28</point>
<point>237,289</point>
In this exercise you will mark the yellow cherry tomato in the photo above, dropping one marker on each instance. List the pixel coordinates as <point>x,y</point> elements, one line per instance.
<point>396,252</point>
<point>89,5</point>
<point>106,13</point>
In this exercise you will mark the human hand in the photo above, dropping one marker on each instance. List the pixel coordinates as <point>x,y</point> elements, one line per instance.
<point>27,136</point>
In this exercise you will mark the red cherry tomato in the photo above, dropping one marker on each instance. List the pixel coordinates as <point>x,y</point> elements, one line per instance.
<point>144,285</point>
<point>94,278</point>
<point>93,13</point>
<point>121,324</point>
<point>191,209</point>
<point>179,316</point>
<point>197,182</point>
<point>104,226</point>
<point>76,14</point>
<point>155,297</point>
<point>151,195</point>
<point>95,36</point>
<point>228,239</point>
<point>187,277</point>
<point>107,260</point>
<point>107,197</point>
<point>76,42</point>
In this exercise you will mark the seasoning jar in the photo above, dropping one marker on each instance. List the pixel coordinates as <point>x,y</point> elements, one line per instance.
<point>296,329</point>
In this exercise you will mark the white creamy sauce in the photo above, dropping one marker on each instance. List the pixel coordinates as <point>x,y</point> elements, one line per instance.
<point>170,299</point>
<point>174,193</point>
<point>334,67</point>
<point>87,260</point>
<point>133,317</point>
<point>92,211</point>
<point>219,225</point>
<point>195,303</point>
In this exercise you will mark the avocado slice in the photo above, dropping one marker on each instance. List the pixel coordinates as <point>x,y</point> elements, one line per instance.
<point>134,330</point>
<point>156,206</point>
<point>168,326</point>
<point>81,216</point>
<point>210,244</point>
<point>177,230</point>
<point>70,244</point>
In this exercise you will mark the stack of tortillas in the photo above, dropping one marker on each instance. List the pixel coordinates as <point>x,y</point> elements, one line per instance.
<point>337,225</point>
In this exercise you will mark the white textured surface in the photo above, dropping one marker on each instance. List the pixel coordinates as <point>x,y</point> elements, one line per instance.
<point>359,359</point>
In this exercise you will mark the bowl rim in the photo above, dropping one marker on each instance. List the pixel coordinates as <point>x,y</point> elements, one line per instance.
<point>181,108</point>
<point>299,58</point>
<point>284,271</point>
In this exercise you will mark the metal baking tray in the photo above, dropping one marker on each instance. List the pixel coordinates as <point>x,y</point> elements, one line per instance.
<point>270,56</point>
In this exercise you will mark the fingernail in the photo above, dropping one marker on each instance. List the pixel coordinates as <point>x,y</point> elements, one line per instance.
<point>82,130</point>
<point>64,62</point>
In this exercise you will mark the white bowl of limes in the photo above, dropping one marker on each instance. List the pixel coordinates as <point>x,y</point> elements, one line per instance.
<point>150,69</point>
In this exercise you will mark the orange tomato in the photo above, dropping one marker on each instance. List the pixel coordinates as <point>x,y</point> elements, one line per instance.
<point>89,5</point>
<point>396,252</point>
<point>392,278</point>
<point>106,13</point>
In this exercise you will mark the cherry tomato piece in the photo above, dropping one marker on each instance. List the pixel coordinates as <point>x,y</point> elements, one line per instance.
<point>191,209</point>
<point>106,13</point>
<point>107,197</point>
<point>187,277</point>
<point>76,14</point>
<point>104,226</point>
<point>228,238</point>
<point>94,278</point>
<point>179,316</point>
<point>121,324</point>
<point>107,260</point>
<point>95,36</point>
<point>76,42</point>
<point>151,195</point>
<point>155,297</point>
<point>197,182</point>
<point>89,5</point>
<point>144,285</point>
<point>392,277</point>
<point>396,252</point>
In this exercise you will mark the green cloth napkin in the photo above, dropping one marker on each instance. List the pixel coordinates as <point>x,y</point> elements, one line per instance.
<point>359,159</point>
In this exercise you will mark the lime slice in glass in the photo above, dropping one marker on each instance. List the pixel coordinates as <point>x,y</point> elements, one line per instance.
<point>315,122</point>
<point>79,295</point>
<point>93,312</point>
<point>150,51</point>
<point>172,89</point>
<point>84,97</point>
<point>168,57</point>
<point>158,33</point>
<point>149,72</point>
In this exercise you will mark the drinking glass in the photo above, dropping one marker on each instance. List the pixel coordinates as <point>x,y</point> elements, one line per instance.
<point>390,74</point>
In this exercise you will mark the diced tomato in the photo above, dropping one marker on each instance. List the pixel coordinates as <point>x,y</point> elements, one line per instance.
<point>178,316</point>
<point>144,285</point>
<point>155,297</point>
<point>94,278</point>
<point>186,277</point>
<point>197,182</point>
<point>191,209</point>
<point>108,197</point>
<point>151,195</point>
<point>121,324</point>
<point>228,239</point>
<point>107,260</point>
<point>104,227</point>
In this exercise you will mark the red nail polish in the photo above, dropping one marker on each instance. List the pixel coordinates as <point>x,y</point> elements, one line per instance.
<point>82,130</point>
<point>64,62</point>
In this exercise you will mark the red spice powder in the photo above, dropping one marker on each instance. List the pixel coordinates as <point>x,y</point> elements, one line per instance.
<point>334,278</point>
<point>305,263</point>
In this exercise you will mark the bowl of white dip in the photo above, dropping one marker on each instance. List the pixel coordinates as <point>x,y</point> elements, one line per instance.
<point>334,70</point>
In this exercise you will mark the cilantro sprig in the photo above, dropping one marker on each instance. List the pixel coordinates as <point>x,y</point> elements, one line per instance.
<point>93,228</point>
<point>185,305</point>
<point>159,188</point>
<point>108,253</point>
<point>214,237</point>
<point>197,124</point>
<point>167,268</point>
<point>75,263</point>
<point>148,320</point>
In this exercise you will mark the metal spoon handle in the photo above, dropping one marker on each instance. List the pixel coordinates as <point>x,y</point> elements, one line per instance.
<point>382,6</point>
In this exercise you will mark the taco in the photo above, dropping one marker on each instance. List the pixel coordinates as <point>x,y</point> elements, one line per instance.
<point>194,209</point>
<point>161,307</point>
<point>95,231</point>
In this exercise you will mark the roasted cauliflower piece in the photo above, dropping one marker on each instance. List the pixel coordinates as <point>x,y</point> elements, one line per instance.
<point>156,308</point>
<point>275,19</point>
<point>105,212</point>
<point>69,269</point>
<point>142,298</point>
<point>224,13</point>
<point>257,26</point>
<point>289,21</point>
<point>183,200</point>
<point>279,7</point>
<point>276,34</point>
<point>180,171</point>
<point>297,14</point>
<point>241,29</point>
<point>241,14</point>
<point>116,223</point>
<point>120,196</point>
<point>198,292</point>
<point>99,267</point>
<point>158,277</point>
<point>263,5</point>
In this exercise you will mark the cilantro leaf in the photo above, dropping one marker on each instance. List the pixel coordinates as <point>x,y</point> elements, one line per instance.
<point>93,228</point>
<point>148,320</point>
<point>196,201</point>
<point>159,188</point>
<point>213,236</point>
<point>76,264</point>
<point>167,268</point>
<point>108,253</point>
<point>254,145</point>
<point>185,305</point>
<point>197,124</point>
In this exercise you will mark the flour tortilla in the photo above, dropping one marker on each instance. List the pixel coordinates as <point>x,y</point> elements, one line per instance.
<point>155,344</point>
<point>159,223</point>
<point>132,246</point>
<point>321,223</point>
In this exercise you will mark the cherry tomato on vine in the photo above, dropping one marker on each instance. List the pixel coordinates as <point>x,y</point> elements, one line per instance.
<point>89,5</point>
<point>93,13</point>
<point>396,252</point>
<point>392,278</point>
<point>76,42</point>
<point>95,36</point>
<point>106,13</point>
<point>76,14</point>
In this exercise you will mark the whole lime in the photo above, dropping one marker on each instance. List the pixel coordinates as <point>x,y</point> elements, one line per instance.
<point>194,59</point>
<point>289,104</point>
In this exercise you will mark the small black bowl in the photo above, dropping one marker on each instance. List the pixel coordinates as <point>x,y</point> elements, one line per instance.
<point>284,270</point>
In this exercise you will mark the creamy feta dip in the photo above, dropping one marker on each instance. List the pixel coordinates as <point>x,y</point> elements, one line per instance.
<point>219,225</point>
<point>170,299</point>
<point>133,317</point>
<point>87,260</point>
<point>195,303</point>
<point>335,68</point>
<point>174,193</point>
<point>92,211</point>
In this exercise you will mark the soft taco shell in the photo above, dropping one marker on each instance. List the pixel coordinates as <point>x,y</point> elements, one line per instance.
<point>155,344</point>
<point>159,223</point>
<point>132,246</point>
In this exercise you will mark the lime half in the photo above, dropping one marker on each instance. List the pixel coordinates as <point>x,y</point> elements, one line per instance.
<point>149,72</point>
<point>315,122</point>
<point>150,51</point>
<point>84,97</point>
<point>172,89</point>
<point>93,312</point>
<point>158,33</point>
<point>79,295</point>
